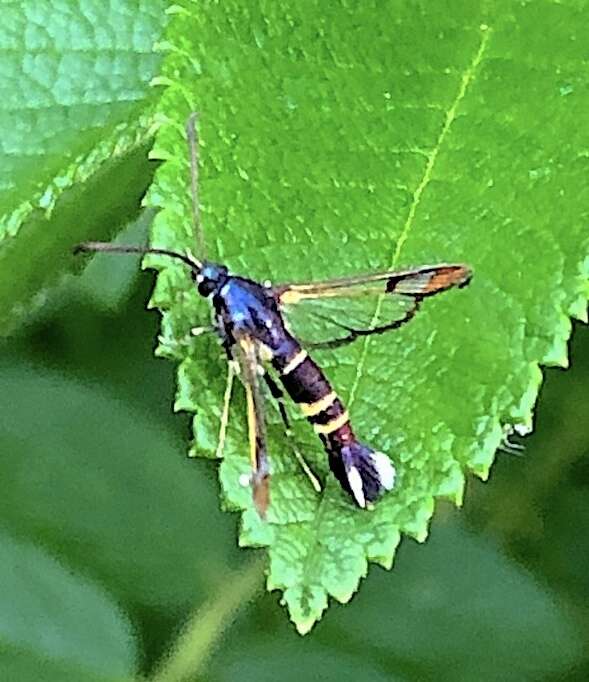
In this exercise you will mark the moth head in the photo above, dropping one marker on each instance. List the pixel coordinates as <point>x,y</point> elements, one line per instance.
<point>209,277</point>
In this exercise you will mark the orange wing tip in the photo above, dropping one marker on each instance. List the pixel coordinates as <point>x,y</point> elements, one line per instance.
<point>431,280</point>
<point>450,276</point>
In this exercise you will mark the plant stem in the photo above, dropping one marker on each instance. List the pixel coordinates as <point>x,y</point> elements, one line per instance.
<point>197,640</point>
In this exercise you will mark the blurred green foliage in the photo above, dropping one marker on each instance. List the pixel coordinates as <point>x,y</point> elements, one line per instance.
<point>75,133</point>
<point>111,540</point>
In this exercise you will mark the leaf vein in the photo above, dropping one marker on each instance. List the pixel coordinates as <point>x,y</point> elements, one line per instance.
<point>465,81</point>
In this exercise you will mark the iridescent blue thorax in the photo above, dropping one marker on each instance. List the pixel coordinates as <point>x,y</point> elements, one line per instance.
<point>243,307</point>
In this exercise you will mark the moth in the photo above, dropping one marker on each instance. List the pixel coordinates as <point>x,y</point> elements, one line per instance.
<point>251,320</point>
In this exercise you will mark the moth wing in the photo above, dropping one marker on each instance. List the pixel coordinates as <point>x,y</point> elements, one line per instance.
<point>247,355</point>
<point>422,281</point>
<point>333,313</point>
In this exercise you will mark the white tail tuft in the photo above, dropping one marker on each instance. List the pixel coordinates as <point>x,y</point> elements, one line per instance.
<point>385,469</point>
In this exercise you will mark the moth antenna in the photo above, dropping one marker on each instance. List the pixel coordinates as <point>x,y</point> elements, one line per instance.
<point>193,148</point>
<point>107,247</point>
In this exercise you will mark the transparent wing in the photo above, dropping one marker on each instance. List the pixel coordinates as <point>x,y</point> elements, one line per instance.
<point>246,354</point>
<point>334,313</point>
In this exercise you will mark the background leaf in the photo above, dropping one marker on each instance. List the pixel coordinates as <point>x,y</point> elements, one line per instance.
<point>54,623</point>
<point>74,131</point>
<point>108,281</point>
<point>452,606</point>
<point>139,553</point>
<point>360,141</point>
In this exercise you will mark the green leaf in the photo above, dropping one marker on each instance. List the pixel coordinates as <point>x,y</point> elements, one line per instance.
<point>74,134</point>
<point>142,533</point>
<point>26,666</point>
<point>457,609</point>
<point>449,593</point>
<point>56,622</point>
<point>285,661</point>
<point>107,281</point>
<point>340,139</point>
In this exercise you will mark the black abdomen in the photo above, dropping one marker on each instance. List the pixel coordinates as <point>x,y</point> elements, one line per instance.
<point>361,471</point>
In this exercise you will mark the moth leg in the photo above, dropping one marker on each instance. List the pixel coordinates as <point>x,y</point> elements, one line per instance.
<point>225,412</point>
<point>205,329</point>
<point>354,334</point>
<point>187,339</point>
<point>278,396</point>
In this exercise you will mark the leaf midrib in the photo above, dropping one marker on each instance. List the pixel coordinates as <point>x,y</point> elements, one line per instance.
<point>450,115</point>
